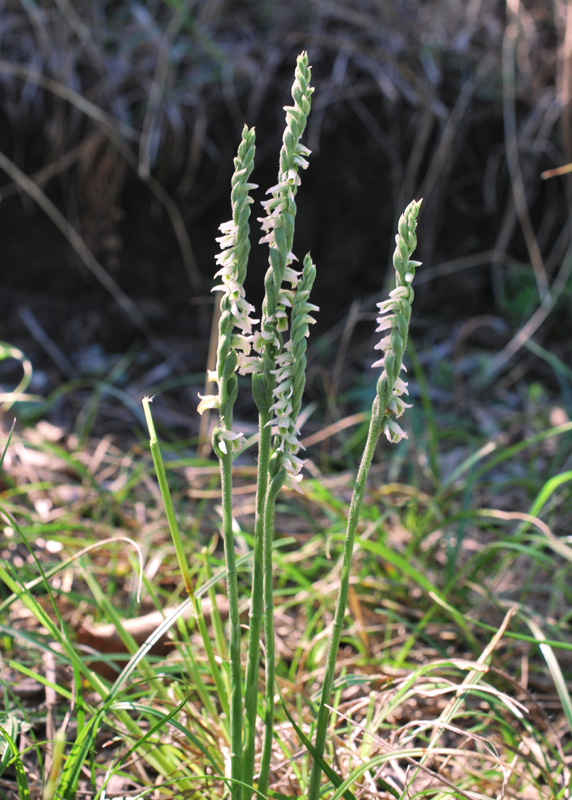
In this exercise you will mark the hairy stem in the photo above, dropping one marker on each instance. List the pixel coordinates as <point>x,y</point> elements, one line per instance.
<point>388,405</point>
<point>234,621</point>
<point>270,664</point>
<point>256,606</point>
<point>375,427</point>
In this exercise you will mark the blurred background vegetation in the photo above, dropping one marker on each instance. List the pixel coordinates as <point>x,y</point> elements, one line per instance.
<point>119,122</point>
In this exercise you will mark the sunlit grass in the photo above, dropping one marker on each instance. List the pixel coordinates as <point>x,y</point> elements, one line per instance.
<point>413,631</point>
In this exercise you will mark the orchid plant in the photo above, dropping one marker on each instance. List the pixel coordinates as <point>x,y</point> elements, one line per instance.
<point>274,354</point>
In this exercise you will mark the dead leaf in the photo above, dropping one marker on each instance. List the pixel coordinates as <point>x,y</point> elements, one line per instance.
<point>104,637</point>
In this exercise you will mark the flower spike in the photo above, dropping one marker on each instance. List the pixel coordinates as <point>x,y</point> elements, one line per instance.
<point>393,321</point>
<point>235,325</point>
<point>388,405</point>
<point>278,222</point>
<point>291,378</point>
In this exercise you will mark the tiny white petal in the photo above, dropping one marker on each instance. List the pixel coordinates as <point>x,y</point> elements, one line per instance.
<point>208,401</point>
<point>384,323</point>
<point>301,162</point>
<point>384,344</point>
<point>226,227</point>
<point>393,431</point>
<point>231,436</point>
<point>399,291</point>
<point>248,364</point>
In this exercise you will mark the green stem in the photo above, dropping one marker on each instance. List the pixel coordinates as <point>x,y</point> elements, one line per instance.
<point>256,604</point>
<point>216,621</point>
<point>167,501</point>
<point>234,649</point>
<point>269,641</point>
<point>375,427</point>
<point>180,551</point>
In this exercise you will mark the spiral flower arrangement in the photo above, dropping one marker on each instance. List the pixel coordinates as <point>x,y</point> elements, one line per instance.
<point>291,377</point>
<point>394,316</point>
<point>274,355</point>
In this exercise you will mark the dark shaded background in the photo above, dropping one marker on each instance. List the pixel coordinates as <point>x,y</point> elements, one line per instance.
<point>462,103</point>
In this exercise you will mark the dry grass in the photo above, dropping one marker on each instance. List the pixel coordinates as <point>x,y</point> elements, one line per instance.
<point>464,108</point>
<point>439,690</point>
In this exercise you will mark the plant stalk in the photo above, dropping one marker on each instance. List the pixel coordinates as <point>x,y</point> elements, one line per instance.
<point>375,428</point>
<point>269,639</point>
<point>234,621</point>
<point>256,606</point>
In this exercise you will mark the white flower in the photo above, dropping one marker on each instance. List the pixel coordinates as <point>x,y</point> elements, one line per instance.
<point>208,401</point>
<point>236,440</point>
<point>293,465</point>
<point>229,231</point>
<point>248,364</point>
<point>283,194</point>
<point>397,405</point>
<point>393,431</point>
<point>291,275</point>
<point>263,338</point>
<point>233,299</point>
<point>387,321</point>
<point>240,343</point>
<point>282,424</point>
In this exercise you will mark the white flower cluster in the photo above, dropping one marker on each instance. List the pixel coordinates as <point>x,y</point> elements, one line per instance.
<point>279,205</point>
<point>240,311</point>
<point>290,375</point>
<point>233,290</point>
<point>283,424</point>
<point>282,199</point>
<point>257,341</point>
<point>387,321</point>
<point>277,229</point>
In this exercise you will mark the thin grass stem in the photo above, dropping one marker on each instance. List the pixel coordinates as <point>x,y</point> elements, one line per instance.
<point>181,558</point>
<point>167,501</point>
<point>216,620</point>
